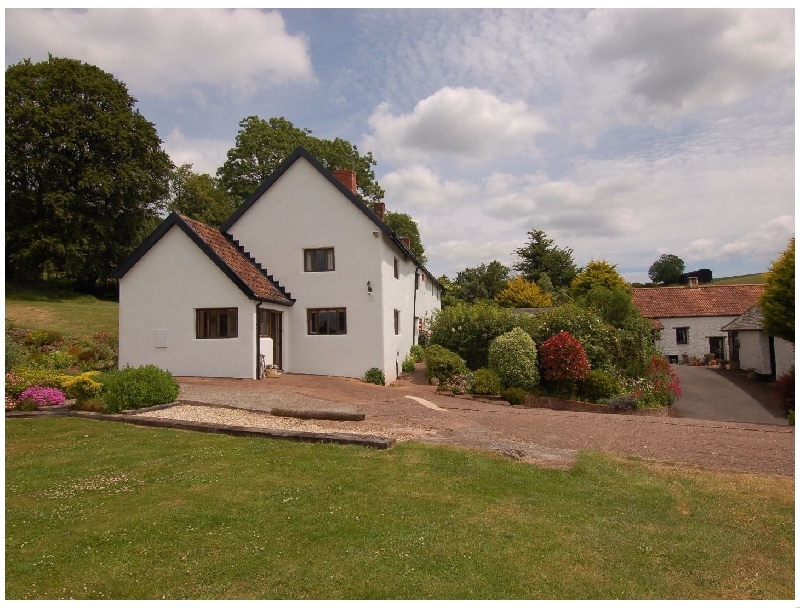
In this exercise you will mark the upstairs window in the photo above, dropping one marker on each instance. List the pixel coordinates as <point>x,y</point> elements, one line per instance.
<point>396,322</point>
<point>213,323</point>
<point>319,260</point>
<point>416,281</point>
<point>682,335</point>
<point>327,321</point>
<point>396,270</point>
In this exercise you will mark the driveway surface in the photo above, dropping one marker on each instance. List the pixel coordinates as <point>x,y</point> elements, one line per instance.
<point>709,396</point>
<point>543,436</point>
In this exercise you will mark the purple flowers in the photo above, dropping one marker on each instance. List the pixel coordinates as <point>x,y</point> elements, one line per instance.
<point>42,395</point>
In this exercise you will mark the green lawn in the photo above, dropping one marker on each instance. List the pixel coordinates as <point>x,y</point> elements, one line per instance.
<point>743,279</point>
<point>70,314</point>
<point>105,510</point>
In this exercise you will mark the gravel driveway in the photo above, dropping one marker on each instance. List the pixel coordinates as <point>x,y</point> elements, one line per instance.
<point>534,435</point>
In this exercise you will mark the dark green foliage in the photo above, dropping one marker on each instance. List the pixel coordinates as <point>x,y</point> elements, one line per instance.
<point>417,353</point>
<point>403,225</point>
<point>442,364</point>
<point>514,395</point>
<point>374,375</point>
<point>408,365</point>
<point>786,387</point>
<point>599,385</point>
<point>15,353</point>
<point>43,337</point>
<point>85,172</point>
<point>136,387</point>
<point>513,356</point>
<point>486,382</point>
<point>540,255</point>
<point>200,197</point>
<point>614,306</point>
<point>667,269</point>
<point>262,145</point>
<point>482,282</point>
<point>777,301</point>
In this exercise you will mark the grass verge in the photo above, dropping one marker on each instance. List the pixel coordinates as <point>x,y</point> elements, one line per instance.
<point>80,316</point>
<point>102,510</point>
<point>742,279</point>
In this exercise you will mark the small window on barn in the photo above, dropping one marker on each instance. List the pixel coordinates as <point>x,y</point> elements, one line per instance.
<point>682,335</point>
<point>319,260</point>
<point>214,323</point>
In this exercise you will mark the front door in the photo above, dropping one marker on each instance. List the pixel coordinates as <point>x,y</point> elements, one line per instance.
<point>716,346</point>
<point>271,326</point>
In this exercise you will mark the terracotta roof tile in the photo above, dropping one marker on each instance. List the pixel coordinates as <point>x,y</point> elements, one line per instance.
<point>702,301</point>
<point>239,263</point>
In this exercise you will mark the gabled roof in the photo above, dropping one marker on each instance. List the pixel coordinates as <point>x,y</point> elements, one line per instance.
<point>703,301</point>
<point>301,152</point>
<point>239,267</point>
<point>752,319</point>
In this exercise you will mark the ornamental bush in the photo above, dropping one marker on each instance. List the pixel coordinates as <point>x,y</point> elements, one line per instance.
<point>57,359</point>
<point>487,382</point>
<point>82,387</point>
<point>562,357</point>
<point>443,364</point>
<point>135,387</point>
<point>785,386</point>
<point>36,396</point>
<point>599,385</point>
<point>374,375</point>
<point>23,376</point>
<point>417,353</point>
<point>660,387</point>
<point>514,395</point>
<point>513,357</point>
<point>408,365</point>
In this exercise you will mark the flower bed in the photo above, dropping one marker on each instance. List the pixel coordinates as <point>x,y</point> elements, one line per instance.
<point>566,405</point>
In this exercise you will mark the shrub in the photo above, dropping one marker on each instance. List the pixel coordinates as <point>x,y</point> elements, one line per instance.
<point>513,357</point>
<point>15,354</point>
<point>136,387</point>
<point>487,382</point>
<point>599,385</point>
<point>460,384</point>
<point>82,387</point>
<point>442,364</point>
<point>94,404</point>
<point>417,353</point>
<point>57,359</point>
<point>408,365</point>
<point>785,386</point>
<point>562,357</point>
<point>35,396</point>
<point>43,337</point>
<point>514,395</point>
<point>665,386</point>
<point>374,376</point>
<point>22,377</point>
<point>624,402</point>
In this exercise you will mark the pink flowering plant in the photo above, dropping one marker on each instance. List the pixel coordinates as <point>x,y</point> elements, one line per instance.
<point>38,396</point>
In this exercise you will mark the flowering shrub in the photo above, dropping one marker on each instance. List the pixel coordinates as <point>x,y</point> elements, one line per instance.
<point>487,382</point>
<point>40,396</point>
<point>562,357</point>
<point>11,403</point>
<point>513,356</point>
<point>460,384</point>
<point>785,386</point>
<point>660,386</point>
<point>22,377</point>
<point>442,364</point>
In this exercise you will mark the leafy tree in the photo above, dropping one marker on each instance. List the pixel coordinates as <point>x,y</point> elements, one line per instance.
<point>519,293</point>
<point>451,293</point>
<point>200,197</point>
<point>598,273</point>
<point>667,269</point>
<point>614,306</point>
<point>262,145</point>
<point>85,172</point>
<point>540,255</point>
<point>482,282</point>
<point>777,301</point>
<point>403,225</point>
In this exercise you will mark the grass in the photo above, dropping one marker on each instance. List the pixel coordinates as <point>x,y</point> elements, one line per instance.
<point>743,279</point>
<point>63,311</point>
<point>104,510</point>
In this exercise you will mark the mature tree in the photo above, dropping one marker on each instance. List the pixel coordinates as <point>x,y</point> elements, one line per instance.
<point>614,306</point>
<point>85,172</point>
<point>262,145</point>
<point>777,301</point>
<point>403,225</point>
<point>667,269</point>
<point>200,197</point>
<point>451,293</point>
<point>519,293</point>
<point>482,282</point>
<point>540,255</point>
<point>598,273</point>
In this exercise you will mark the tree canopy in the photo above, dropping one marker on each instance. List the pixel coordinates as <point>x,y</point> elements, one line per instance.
<point>777,301</point>
<point>262,145</point>
<point>667,269</point>
<point>403,225</point>
<point>85,172</point>
<point>540,255</point>
<point>200,197</point>
<point>519,293</point>
<point>482,282</point>
<point>598,273</point>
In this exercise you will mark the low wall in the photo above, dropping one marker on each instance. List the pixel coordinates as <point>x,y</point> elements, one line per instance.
<point>565,405</point>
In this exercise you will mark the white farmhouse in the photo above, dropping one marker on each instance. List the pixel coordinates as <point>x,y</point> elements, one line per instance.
<point>688,320</point>
<point>752,349</point>
<point>303,275</point>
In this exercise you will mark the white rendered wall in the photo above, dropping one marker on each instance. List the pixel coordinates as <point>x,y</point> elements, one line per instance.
<point>428,297</point>
<point>700,330</point>
<point>784,357</point>
<point>161,292</point>
<point>302,210</point>
<point>397,294</point>
<point>754,351</point>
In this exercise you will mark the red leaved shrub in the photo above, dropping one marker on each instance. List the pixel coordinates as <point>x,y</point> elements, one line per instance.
<point>785,386</point>
<point>562,357</point>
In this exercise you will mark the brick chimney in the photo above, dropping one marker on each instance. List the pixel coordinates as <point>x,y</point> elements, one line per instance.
<point>379,209</point>
<point>348,178</point>
<point>406,240</point>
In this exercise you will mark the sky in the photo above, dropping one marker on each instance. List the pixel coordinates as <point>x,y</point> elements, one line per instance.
<point>624,134</point>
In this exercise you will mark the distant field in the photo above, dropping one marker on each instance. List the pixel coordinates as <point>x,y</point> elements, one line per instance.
<point>67,313</point>
<point>744,279</point>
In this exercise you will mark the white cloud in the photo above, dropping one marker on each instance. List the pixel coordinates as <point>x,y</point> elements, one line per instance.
<point>418,189</point>
<point>168,52</point>
<point>760,243</point>
<point>463,122</point>
<point>205,155</point>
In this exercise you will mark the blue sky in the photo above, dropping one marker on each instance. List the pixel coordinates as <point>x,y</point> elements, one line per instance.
<point>623,134</point>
